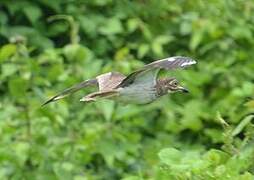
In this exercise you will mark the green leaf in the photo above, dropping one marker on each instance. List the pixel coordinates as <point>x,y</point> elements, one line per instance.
<point>33,13</point>
<point>185,28</point>
<point>111,27</point>
<point>216,157</point>
<point>63,170</point>
<point>133,24</point>
<point>196,39</point>
<point>246,176</point>
<point>170,156</point>
<point>18,86</point>
<point>242,125</point>
<point>143,50</point>
<point>8,70</point>
<point>107,108</point>
<point>157,45</point>
<point>250,104</point>
<point>21,150</point>
<point>132,178</point>
<point>122,53</point>
<point>7,51</point>
<point>3,18</point>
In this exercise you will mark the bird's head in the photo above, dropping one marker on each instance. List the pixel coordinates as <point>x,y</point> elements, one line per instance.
<point>171,85</point>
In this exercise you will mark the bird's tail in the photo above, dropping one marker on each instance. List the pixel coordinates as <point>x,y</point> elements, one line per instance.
<point>71,90</point>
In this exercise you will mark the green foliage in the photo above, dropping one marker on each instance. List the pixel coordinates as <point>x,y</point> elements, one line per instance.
<point>47,46</point>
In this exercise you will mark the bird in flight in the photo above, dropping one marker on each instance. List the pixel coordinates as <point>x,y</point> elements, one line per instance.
<point>140,87</point>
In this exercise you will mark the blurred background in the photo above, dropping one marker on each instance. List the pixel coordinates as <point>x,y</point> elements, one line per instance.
<point>47,46</point>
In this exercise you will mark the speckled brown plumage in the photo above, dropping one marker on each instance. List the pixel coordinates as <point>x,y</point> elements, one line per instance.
<point>161,86</point>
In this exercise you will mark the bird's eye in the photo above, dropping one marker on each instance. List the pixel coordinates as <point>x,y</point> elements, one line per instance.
<point>175,83</point>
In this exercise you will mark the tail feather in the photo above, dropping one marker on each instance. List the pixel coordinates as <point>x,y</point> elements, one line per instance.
<point>71,90</point>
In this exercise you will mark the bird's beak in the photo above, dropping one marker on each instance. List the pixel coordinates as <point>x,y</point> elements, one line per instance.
<point>184,90</point>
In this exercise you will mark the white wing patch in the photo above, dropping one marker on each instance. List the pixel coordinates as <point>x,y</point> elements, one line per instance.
<point>170,59</point>
<point>188,63</point>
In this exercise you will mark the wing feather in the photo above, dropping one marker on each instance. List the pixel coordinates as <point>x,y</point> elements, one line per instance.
<point>71,90</point>
<point>171,63</point>
<point>105,82</point>
<point>167,63</point>
<point>109,81</point>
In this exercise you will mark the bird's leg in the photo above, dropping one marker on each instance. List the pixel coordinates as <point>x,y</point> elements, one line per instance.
<point>87,99</point>
<point>94,96</point>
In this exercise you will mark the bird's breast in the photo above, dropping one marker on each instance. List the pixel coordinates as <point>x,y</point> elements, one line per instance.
<point>137,94</point>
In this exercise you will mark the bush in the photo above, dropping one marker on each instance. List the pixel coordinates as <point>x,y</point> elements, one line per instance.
<point>47,46</point>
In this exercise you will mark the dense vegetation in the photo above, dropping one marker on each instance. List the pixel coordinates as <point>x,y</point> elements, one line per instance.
<point>47,46</point>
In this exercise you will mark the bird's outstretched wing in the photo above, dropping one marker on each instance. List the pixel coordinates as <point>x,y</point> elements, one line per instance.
<point>109,81</point>
<point>71,90</point>
<point>104,82</point>
<point>148,74</point>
